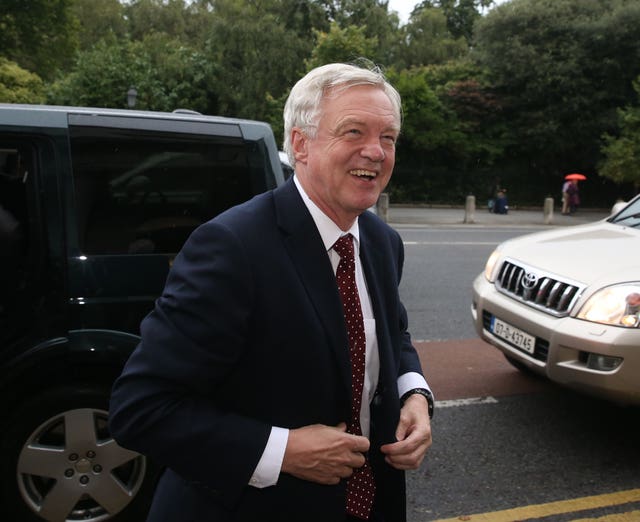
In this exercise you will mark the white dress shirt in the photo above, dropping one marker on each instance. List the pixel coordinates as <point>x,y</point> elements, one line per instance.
<point>268,468</point>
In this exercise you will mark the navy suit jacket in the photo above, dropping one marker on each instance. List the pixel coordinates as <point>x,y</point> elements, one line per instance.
<point>248,334</point>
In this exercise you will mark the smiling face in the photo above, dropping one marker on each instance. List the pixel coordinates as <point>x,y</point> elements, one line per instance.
<point>349,161</point>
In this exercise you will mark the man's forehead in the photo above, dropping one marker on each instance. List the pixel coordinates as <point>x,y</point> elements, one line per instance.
<point>386,122</point>
<point>352,109</point>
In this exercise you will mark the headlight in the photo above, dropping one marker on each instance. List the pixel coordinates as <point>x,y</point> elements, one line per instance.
<point>617,305</point>
<point>491,263</point>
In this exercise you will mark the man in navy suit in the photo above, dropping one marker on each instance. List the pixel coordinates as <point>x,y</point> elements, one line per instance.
<point>241,385</point>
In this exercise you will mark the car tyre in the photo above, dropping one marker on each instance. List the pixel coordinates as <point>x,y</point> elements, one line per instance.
<point>61,464</point>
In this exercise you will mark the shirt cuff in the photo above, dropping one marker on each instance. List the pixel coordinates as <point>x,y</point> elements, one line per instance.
<point>411,381</point>
<point>268,469</point>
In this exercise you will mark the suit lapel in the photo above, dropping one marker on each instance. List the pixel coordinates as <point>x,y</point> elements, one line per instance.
<point>371,257</point>
<point>304,245</point>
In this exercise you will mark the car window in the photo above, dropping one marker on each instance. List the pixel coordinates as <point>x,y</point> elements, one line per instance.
<point>18,234</point>
<point>144,192</point>
<point>13,223</point>
<point>630,215</point>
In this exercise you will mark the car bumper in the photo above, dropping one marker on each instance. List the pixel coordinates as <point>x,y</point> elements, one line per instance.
<point>601,360</point>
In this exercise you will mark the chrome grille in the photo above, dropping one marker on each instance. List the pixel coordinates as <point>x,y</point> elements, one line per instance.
<point>538,289</point>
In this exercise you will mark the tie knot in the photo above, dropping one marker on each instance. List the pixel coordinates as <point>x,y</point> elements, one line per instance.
<point>344,247</point>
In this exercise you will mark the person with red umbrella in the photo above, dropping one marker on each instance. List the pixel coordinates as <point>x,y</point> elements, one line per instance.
<point>571,193</point>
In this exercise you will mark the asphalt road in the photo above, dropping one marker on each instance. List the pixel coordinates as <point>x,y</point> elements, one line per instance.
<point>507,447</point>
<point>537,455</point>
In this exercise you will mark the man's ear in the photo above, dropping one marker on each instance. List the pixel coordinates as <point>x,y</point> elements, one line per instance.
<point>299,142</point>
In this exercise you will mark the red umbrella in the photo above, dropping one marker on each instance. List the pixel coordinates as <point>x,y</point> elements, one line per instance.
<point>579,177</point>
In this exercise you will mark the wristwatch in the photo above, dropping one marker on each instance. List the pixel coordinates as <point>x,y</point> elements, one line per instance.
<point>425,393</point>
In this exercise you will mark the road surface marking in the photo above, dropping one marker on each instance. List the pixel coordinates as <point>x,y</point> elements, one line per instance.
<point>466,402</point>
<point>464,243</point>
<point>554,508</point>
<point>630,516</point>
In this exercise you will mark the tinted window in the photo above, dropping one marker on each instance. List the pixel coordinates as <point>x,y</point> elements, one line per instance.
<point>13,223</point>
<point>141,192</point>
<point>17,231</point>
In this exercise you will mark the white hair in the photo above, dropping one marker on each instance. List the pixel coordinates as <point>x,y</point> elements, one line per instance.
<point>302,108</point>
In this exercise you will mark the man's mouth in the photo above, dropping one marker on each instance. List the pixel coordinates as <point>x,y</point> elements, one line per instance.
<point>364,174</point>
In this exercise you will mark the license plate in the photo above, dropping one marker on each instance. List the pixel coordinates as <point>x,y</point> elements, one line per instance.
<point>513,335</point>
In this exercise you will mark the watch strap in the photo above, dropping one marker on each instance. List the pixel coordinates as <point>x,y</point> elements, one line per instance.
<point>425,393</point>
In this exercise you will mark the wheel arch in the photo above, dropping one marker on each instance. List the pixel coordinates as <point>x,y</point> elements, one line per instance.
<point>80,357</point>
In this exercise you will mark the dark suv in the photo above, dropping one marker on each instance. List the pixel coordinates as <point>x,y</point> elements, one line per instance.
<point>94,205</point>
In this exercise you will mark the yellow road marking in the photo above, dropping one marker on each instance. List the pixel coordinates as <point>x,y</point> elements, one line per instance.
<point>553,508</point>
<point>631,516</point>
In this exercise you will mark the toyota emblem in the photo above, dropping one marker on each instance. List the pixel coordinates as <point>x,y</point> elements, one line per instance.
<point>529,280</point>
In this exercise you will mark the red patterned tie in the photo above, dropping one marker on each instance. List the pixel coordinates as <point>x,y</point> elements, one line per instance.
<point>361,487</point>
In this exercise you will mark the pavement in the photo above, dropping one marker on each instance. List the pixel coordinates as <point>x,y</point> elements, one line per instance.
<point>443,215</point>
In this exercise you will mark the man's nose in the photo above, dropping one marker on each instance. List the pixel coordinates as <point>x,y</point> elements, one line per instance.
<point>374,151</point>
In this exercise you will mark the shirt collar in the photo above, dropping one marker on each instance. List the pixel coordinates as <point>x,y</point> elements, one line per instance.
<point>329,231</point>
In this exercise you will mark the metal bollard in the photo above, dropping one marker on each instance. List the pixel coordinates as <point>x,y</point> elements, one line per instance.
<point>382,207</point>
<point>548,211</point>
<point>470,210</point>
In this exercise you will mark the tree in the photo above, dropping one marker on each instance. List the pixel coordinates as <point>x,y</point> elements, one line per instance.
<point>561,69</point>
<point>373,17</point>
<point>156,16</point>
<point>341,45</point>
<point>18,85</point>
<point>166,74</point>
<point>427,123</point>
<point>41,38</point>
<point>258,51</point>
<point>622,152</point>
<point>99,19</point>
<point>426,40</point>
<point>452,132</point>
<point>461,15</point>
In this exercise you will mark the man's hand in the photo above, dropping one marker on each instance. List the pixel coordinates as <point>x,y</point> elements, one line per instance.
<point>413,434</point>
<point>323,454</point>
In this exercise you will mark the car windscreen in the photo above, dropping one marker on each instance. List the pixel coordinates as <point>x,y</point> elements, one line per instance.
<point>629,216</point>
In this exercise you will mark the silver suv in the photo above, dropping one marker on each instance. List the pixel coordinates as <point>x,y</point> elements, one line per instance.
<point>565,304</point>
